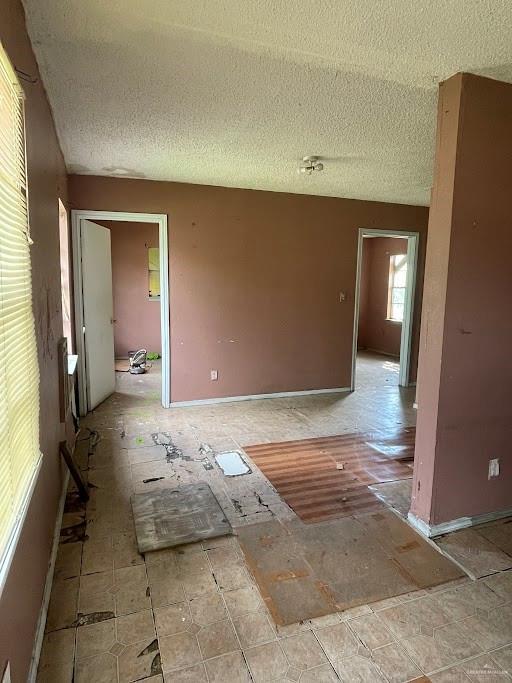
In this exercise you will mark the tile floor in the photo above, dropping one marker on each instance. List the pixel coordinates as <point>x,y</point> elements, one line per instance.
<point>194,614</point>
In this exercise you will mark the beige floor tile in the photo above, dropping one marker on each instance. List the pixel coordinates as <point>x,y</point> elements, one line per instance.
<point>478,556</point>
<point>492,629</point>
<point>98,556</point>
<point>413,617</point>
<point>452,675</point>
<point>466,600</point>
<point>96,594</point>
<point>192,674</point>
<point>266,662</point>
<point>327,620</point>
<point>172,619</point>
<point>131,590</point>
<point>501,584</point>
<point>503,657</point>
<point>231,667</point>
<point>320,674</point>
<point>253,629</point>
<point>371,631</point>
<point>198,582</point>
<point>358,669</point>
<point>139,660</point>
<point>164,582</point>
<point>207,608</point>
<point>354,612</point>
<point>395,664</point>
<point>95,639</point>
<point>100,669</point>
<point>303,651</point>
<point>231,578</point>
<point>68,562</point>
<point>449,645</point>
<point>485,669</point>
<point>135,627</point>
<point>57,657</point>
<point>243,600</point>
<point>337,641</point>
<point>217,639</point>
<point>125,551</point>
<point>62,610</point>
<point>179,651</point>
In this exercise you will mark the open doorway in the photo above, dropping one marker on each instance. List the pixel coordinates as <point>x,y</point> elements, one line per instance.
<point>121,306</point>
<point>386,277</point>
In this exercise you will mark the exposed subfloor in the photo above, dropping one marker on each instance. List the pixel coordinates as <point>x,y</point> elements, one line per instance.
<point>194,613</point>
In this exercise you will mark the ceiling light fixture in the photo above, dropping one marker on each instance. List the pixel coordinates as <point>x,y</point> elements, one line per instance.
<point>310,164</point>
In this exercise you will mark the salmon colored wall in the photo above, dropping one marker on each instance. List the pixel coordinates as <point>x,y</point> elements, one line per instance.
<point>465,373</point>
<point>137,317</point>
<point>376,332</point>
<point>20,602</point>
<point>255,279</point>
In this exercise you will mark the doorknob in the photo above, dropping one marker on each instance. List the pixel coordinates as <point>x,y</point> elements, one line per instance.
<point>112,321</point>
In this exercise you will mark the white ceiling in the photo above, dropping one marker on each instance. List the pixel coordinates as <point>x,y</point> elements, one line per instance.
<point>235,92</point>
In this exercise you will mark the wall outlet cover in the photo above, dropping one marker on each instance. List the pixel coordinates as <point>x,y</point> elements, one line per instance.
<point>214,375</point>
<point>494,468</point>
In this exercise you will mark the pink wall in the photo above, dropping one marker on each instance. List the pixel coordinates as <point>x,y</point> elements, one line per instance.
<point>255,280</point>
<point>465,372</point>
<point>376,332</point>
<point>21,598</point>
<point>137,317</point>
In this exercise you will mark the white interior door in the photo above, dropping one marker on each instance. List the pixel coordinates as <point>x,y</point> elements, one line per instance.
<point>98,312</point>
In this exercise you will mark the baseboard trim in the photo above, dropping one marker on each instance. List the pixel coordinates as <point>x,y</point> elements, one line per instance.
<point>41,623</point>
<point>433,530</point>
<point>251,397</point>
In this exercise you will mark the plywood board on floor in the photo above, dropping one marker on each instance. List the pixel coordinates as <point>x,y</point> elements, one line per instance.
<point>305,571</point>
<point>328,477</point>
<point>174,516</point>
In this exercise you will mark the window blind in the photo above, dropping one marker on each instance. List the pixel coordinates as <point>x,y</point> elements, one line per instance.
<point>19,373</point>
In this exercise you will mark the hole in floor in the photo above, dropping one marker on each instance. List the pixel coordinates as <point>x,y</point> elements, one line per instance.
<point>232,464</point>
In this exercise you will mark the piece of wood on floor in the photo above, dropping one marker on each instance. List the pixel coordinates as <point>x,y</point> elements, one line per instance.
<point>173,516</point>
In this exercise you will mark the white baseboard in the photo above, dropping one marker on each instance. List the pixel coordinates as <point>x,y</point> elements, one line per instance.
<point>251,397</point>
<point>433,530</point>
<point>41,623</point>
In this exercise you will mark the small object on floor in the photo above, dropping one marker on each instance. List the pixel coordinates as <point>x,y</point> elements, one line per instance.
<point>232,464</point>
<point>340,466</point>
<point>177,515</point>
<point>122,365</point>
<point>138,361</point>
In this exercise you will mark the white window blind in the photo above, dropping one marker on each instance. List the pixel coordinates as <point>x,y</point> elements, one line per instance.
<point>19,373</point>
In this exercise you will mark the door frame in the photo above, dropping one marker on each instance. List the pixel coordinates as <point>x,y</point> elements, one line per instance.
<point>410,288</point>
<point>77,216</point>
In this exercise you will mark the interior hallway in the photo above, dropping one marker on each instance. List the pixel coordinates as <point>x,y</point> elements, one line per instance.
<point>195,613</point>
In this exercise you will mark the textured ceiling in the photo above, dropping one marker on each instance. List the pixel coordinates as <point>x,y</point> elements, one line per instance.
<point>235,92</point>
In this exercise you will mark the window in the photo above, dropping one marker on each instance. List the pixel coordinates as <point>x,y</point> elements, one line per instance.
<point>19,372</point>
<point>397,282</point>
<point>154,272</point>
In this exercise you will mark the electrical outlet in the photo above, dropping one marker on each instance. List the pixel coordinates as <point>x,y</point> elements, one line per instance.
<point>494,468</point>
<point>343,297</point>
<point>214,375</point>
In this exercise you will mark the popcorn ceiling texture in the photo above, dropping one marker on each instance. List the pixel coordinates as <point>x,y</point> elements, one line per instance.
<point>223,92</point>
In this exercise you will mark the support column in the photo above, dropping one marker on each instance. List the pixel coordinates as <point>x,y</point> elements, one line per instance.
<point>465,362</point>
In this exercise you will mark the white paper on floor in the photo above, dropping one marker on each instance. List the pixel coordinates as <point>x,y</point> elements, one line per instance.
<point>232,464</point>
